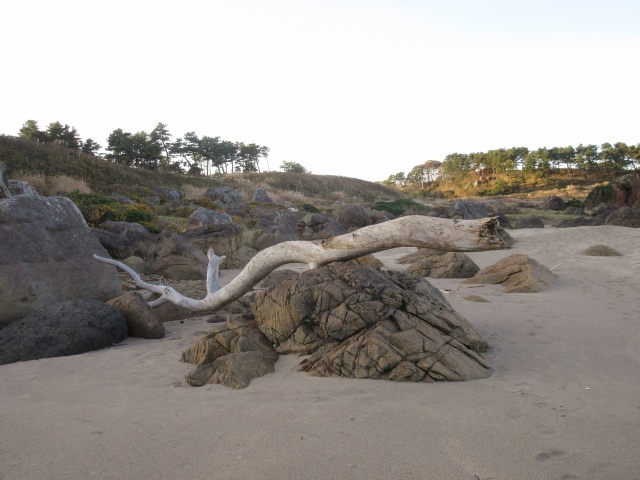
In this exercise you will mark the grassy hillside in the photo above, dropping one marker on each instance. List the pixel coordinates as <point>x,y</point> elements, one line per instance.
<point>54,169</point>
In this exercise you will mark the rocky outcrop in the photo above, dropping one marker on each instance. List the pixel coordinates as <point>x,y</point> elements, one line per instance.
<point>468,210</point>
<point>218,231</point>
<point>125,239</point>
<point>624,191</point>
<point>66,328</point>
<point>354,216</point>
<point>624,216</point>
<point>438,264</point>
<point>174,257</point>
<point>317,226</point>
<point>46,256</point>
<point>19,187</point>
<point>223,195</point>
<point>142,321</point>
<point>517,274</point>
<point>261,196</point>
<point>359,322</point>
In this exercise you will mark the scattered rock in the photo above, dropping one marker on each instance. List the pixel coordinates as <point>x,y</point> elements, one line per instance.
<point>517,273</point>
<point>174,257</point>
<point>235,370</point>
<point>317,226</point>
<point>624,216</point>
<point>468,210</point>
<point>125,239</point>
<point>601,251</point>
<point>476,298</point>
<point>65,328</point>
<point>223,195</point>
<point>18,187</point>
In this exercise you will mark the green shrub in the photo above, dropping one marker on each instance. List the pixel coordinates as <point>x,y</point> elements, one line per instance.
<point>97,209</point>
<point>307,207</point>
<point>574,202</point>
<point>399,206</point>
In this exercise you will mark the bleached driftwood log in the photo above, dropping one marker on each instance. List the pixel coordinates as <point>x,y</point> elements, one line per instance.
<point>410,231</point>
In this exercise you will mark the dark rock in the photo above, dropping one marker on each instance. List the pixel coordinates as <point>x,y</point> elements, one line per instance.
<point>360,322</point>
<point>468,210</point>
<point>225,238</point>
<point>427,262</point>
<point>354,216</point>
<point>580,222</point>
<point>624,216</point>
<point>274,235</point>
<point>46,256</point>
<point>554,203</point>
<point>4,183</point>
<point>276,277</point>
<point>168,194</point>
<point>142,321</point>
<point>262,197</point>
<point>503,221</point>
<point>65,328</point>
<point>517,273</point>
<point>223,195</point>
<point>624,191</point>
<point>125,239</point>
<point>174,257</point>
<point>529,222</point>
<point>317,226</point>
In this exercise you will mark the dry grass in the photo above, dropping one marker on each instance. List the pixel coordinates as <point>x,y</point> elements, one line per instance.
<point>51,185</point>
<point>193,192</point>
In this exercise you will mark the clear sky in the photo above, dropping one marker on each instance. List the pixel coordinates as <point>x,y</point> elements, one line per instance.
<point>359,88</point>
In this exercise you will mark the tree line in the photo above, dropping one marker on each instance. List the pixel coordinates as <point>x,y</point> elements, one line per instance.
<point>604,160</point>
<point>157,150</point>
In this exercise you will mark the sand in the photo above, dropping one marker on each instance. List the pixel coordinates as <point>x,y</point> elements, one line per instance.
<point>563,402</point>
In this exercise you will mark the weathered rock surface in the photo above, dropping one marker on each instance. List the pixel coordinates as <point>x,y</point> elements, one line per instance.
<point>142,321</point>
<point>233,354</point>
<point>427,262</point>
<point>46,256</point>
<point>174,257</point>
<point>359,322</point>
<point>19,187</point>
<point>223,195</point>
<point>223,235</point>
<point>4,183</point>
<point>65,328</point>
<point>317,226</point>
<point>624,216</point>
<point>555,203</point>
<point>468,210</point>
<point>125,239</point>
<point>517,273</point>
<point>273,235</point>
<point>261,196</point>
<point>624,191</point>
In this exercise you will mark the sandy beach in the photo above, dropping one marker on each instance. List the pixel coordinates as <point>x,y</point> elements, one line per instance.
<point>563,401</point>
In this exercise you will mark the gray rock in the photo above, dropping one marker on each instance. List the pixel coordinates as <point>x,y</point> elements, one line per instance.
<point>125,239</point>
<point>624,216</point>
<point>203,217</point>
<point>47,257</point>
<point>169,194</point>
<point>175,257</point>
<point>317,226</point>
<point>18,187</point>
<point>468,210</point>
<point>223,195</point>
<point>274,235</point>
<point>65,328</point>
<point>262,197</point>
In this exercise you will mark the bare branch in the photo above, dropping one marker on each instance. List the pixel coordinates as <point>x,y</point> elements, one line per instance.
<point>410,231</point>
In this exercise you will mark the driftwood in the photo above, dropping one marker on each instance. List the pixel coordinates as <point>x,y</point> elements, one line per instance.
<point>410,231</point>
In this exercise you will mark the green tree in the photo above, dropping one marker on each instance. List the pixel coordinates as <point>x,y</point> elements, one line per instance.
<point>31,131</point>
<point>293,167</point>
<point>90,147</point>
<point>120,147</point>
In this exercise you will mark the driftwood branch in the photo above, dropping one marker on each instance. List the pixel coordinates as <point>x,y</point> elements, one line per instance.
<point>410,231</point>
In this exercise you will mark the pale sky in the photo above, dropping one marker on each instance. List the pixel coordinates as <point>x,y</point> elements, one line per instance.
<point>358,88</point>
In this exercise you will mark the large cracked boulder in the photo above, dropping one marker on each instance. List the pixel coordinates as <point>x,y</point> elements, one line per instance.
<point>427,262</point>
<point>317,226</point>
<point>46,256</point>
<point>517,274</point>
<point>65,328</point>
<point>359,322</point>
